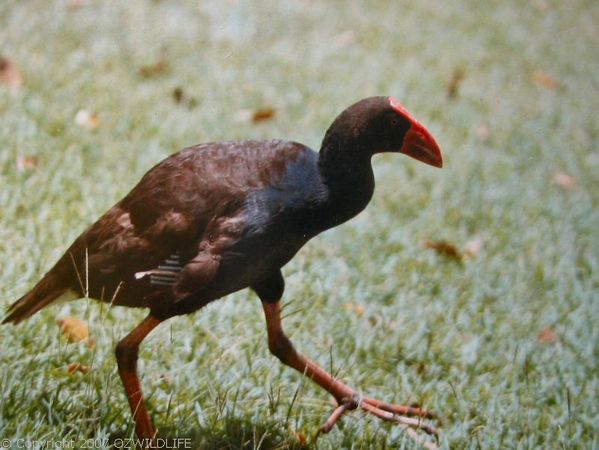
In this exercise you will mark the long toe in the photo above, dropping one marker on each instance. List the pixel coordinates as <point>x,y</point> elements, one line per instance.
<point>406,421</point>
<point>403,410</point>
<point>334,418</point>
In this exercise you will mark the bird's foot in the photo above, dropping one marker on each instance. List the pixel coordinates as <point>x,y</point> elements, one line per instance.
<point>409,417</point>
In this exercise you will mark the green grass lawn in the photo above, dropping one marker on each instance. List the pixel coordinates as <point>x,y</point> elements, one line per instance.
<point>504,345</point>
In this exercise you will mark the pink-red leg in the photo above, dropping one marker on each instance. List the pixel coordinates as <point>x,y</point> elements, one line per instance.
<point>347,399</point>
<point>127,351</point>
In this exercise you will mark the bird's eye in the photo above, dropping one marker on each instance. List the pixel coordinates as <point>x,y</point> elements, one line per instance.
<point>394,122</point>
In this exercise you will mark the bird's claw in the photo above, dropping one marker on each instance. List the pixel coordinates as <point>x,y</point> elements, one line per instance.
<point>410,417</point>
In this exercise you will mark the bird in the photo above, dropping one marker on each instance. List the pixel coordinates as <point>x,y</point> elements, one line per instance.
<point>216,218</point>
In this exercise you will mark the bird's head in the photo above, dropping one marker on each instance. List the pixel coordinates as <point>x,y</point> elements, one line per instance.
<point>382,124</point>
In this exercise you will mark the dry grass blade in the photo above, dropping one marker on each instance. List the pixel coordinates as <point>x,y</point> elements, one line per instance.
<point>454,83</point>
<point>73,368</point>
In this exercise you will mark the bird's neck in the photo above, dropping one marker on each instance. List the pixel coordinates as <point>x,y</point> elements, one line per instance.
<point>347,174</point>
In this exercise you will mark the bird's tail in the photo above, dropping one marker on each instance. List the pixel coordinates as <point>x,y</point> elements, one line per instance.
<point>48,290</point>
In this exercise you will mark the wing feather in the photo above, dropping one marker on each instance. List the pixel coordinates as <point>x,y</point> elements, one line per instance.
<point>190,205</point>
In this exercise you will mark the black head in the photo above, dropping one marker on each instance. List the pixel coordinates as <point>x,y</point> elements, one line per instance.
<point>382,124</point>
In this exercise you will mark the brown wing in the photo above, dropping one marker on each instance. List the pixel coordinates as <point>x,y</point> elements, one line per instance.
<point>187,207</point>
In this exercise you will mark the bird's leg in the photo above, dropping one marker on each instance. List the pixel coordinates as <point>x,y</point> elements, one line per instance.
<point>347,399</point>
<point>126,355</point>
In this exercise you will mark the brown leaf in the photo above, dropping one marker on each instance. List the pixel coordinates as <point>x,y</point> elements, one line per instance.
<point>76,367</point>
<point>263,114</point>
<point>256,116</point>
<point>547,336</point>
<point>153,70</point>
<point>9,74</point>
<point>453,85</point>
<point>88,120</point>
<point>445,248</point>
<point>352,307</point>
<point>26,162</point>
<point>75,330</point>
<point>545,80</point>
<point>564,181</point>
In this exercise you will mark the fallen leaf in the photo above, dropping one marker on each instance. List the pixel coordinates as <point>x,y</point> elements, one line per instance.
<point>564,181</point>
<point>76,367</point>
<point>540,5</point>
<point>153,70</point>
<point>453,85</point>
<point>352,307</point>
<point>474,246</point>
<point>10,75</point>
<point>483,132</point>
<point>344,39</point>
<point>26,162</point>
<point>445,248</point>
<point>545,80</point>
<point>178,94</point>
<point>256,116</point>
<point>263,114</point>
<point>88,120</point>
<point>547,336</point>
<point>76,4</point>
<point>75,330</point>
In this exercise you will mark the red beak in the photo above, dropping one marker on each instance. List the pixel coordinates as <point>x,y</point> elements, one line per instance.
<point>418,142</point>
<point>420,145</point>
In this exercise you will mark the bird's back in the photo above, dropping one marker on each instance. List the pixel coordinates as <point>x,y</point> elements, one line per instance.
<point>216,211</point>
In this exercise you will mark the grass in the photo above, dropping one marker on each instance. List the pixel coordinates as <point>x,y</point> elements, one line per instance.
<point>503,345</point>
